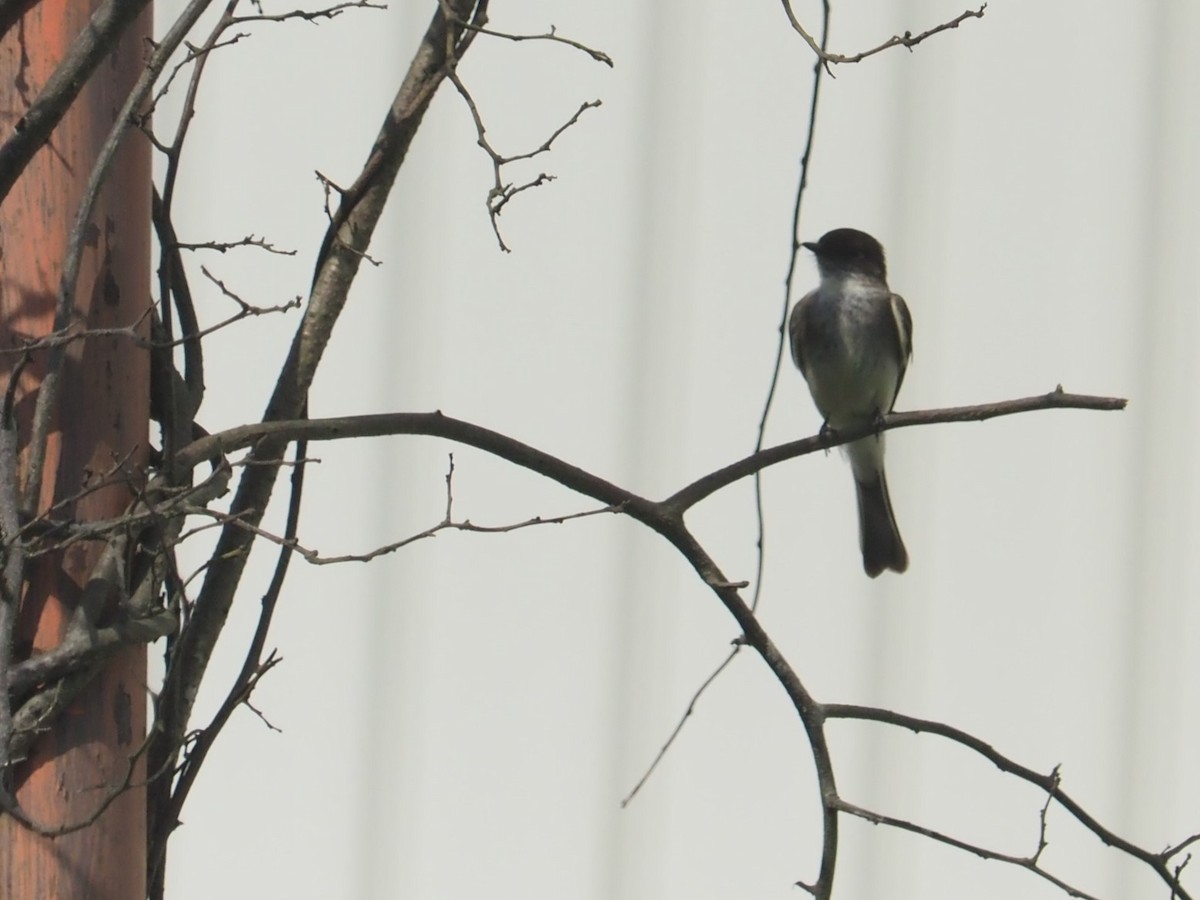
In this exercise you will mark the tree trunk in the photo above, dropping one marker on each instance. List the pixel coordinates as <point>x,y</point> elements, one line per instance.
<point>101,422</point>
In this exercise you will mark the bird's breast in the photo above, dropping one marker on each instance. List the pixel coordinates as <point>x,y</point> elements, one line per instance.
<point>852,364</point>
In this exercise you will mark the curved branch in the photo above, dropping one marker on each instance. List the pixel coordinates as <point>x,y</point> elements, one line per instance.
<point>436,424</point>
<point>664,517</point>
<point>1048,783</point>
<point>671,526</point>
<point>433,424</point>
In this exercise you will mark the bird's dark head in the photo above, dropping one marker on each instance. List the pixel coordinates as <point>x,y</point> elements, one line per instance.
<point>849,251</point>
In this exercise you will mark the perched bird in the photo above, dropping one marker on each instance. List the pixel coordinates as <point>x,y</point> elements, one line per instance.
<point>851,338</point>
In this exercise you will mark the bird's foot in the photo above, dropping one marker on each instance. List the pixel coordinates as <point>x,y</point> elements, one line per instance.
<point>827,435</point>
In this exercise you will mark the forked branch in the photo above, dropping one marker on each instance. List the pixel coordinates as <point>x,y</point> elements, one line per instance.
<point>907,39</point>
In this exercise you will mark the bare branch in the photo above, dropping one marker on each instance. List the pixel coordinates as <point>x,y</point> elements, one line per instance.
<point>665,518</point>
<point>1055,779</point>
<point>908,39</point>
<point>84,648</point>
<point>194,54</point>
<point>1048,783</point>
<point>176,398</point>
<point>247,308</point>
<point>1024,862</point>
<point>669,524</point>
<point>500,193</point>
<point>314,16</point>
<point>687,713</point>
<point>1179,872</point>
<point>448,523</point>
<point>217,41</point>
<point>1180,847</point>
<point>34,718</point>
<point>436,424</point>
<point>130,332</point>
<point>225,246</point>
<point>1056,399</point>
<point>551,35</point>
<point>315,558</point>
<point>72,333</point>
<point>789,286</point>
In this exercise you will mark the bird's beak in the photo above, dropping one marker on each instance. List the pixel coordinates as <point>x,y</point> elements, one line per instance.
<point>810,246</point>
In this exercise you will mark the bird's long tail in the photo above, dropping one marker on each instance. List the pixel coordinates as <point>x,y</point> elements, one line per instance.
<point>882,547</point>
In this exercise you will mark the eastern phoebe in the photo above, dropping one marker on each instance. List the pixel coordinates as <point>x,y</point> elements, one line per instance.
<point>852,340</point>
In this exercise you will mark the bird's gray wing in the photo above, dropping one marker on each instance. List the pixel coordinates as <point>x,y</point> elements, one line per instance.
<point>796,331</point>
<point>904,327</point>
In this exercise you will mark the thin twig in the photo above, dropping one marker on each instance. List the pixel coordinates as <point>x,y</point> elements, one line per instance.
<point>551,35</point>
<point>132,332</point>
<point>1055,779</point>
<point>1025,862</point>
<point>247,308</point>
<point>678,729</point>
<point>328,12</point>
<point>1048,783</point>
<point>448,523</point>
<point>789,284</point>
<point>908,39</point>
<point>500,192</point>
<point>225,246</point>
<point>1180,847</point>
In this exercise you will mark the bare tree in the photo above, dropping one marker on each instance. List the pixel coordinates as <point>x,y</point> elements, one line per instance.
<point>134,592</point>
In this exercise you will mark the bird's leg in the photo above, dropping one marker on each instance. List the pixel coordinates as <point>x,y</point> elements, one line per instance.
<point>878,421</point>
<point>826,434</point>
